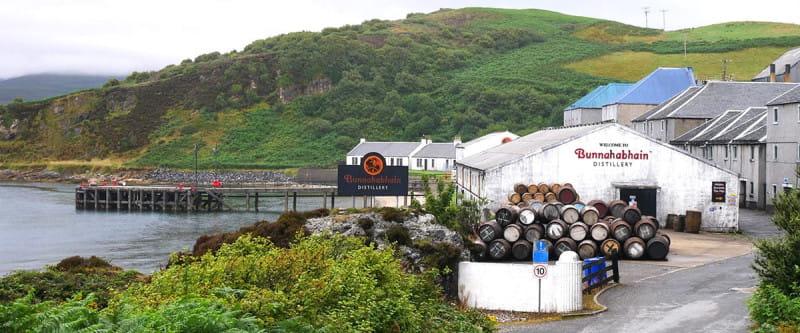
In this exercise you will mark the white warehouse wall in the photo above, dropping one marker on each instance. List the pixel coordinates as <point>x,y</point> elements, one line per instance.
<point>683,181</point>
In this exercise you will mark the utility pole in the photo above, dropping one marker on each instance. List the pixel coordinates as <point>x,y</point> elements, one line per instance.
<point>646,11</point>
<point>195,164</point>
<point>664,19</point>
<point>725,68</point>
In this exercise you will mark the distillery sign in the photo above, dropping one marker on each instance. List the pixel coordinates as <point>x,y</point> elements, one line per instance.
<point>612,154</point>
<point>372,178</point>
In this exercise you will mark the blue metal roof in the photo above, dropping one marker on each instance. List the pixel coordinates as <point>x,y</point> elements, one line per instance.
<point>658,86</point>
<point>600,96</point>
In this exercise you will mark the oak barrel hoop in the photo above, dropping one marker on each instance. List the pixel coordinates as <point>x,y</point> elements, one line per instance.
<point>599,231</point>
<point>522,249</point>
<point>527,215</point>
<point>616,208</point>
<point>578,231</point>
<point>556,229</point>
<point>499,249</point>
<point>567,195</point>
<point>658,247</point>
<point>601,206</point>
<point>645,229</point>
<point>512,232</point>
<point>570,214</point>
<point>634,248</point>
<point>587,249</point>
<point>564,244</point>
<point>520,188</point>
<point>514,198</point>
<point>506,215</point>
<point>489,231</point>
<point>621,230</point>
<point>590,215</point>
<point>693,221</point>
<point>631,214</point>
<point>534,232</point>
<point>610,247</point>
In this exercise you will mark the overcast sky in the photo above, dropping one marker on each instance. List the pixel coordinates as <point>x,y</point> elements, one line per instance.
<point>119,37</point>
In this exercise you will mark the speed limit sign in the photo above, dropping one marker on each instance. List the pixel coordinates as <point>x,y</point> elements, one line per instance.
<point>539,271</point>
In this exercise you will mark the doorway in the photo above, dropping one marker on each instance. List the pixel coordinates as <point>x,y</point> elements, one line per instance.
<point>645,199</point>
<point>743,194</point>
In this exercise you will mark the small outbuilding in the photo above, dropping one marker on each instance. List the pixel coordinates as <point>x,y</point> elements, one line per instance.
<point>607,161</point>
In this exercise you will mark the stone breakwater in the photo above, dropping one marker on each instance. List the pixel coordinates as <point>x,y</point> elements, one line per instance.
<point>226,177</point>
<point>162,176</point>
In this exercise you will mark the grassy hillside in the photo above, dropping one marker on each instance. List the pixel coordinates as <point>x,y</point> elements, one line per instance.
<point>304,99</point>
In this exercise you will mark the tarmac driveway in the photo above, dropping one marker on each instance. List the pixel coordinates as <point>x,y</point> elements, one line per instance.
<point>701,287</point>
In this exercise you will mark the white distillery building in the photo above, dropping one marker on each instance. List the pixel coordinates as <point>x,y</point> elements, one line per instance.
<point>606,161</point>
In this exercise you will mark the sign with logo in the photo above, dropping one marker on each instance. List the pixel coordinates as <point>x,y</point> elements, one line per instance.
<point>372,178</point>
<point>612,154</point>
<point>717,191</point>
<point>540,271</point>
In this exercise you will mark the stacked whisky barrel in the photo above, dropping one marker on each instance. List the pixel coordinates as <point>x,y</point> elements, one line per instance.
<point>553,213</point>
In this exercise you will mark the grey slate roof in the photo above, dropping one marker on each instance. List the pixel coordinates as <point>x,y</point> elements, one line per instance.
<point>384,148</point>
<point>669,105</point>
<point>791,96</point>
<point>528,144</point>
<point>437,150</point>
<point>742,125</point>
<point>716,97</point>
<point>723,128</point>
<point>791,57</point>
<point>757,135</point>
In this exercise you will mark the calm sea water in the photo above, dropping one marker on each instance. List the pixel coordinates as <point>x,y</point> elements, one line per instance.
<point>39,226</point>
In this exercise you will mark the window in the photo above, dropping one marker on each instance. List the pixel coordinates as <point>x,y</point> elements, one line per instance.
<point>775,115</point>
<point>752,153</point>
<point>354,160</point>
<point>751,187</point>
<point>400,161</point>
<point>663,125</point>
<point>726,151</point>
<point>774,191</point>
<point>650,127</point>
<point>391,161</point>
<point>798,113</point>
<point>735,149</point>
<point>775,152</point>
<point>446,164</point>
<point>419,163</point>
<point>432,163</point>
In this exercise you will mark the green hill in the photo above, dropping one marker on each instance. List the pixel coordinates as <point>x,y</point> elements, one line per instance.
<point>304,99</point>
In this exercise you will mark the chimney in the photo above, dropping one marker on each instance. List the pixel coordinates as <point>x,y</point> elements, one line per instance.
<point>771,72</point>
<point>426,139</point>
<point>787,74</point>
<point>363,140</point>
<point>457,140</point>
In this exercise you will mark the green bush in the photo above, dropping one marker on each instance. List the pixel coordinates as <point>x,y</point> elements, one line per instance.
<point>334,283</point>
<point>776,260</point>
<point>773,310</point>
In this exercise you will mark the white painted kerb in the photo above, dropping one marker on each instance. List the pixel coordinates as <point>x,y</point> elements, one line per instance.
<point>512,287</point>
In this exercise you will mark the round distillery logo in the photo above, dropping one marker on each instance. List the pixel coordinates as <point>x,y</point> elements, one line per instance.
<point>373,164</point>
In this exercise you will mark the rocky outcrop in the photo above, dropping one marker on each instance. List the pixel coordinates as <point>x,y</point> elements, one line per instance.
<point>373,226</point>
<point>10,132</point>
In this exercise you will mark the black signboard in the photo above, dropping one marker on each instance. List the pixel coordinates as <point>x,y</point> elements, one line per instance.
<point>717,191</point>
<point>373,178</point>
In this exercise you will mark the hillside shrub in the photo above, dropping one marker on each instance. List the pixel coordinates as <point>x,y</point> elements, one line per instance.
<point>336,283</point>
<point>776,304</point>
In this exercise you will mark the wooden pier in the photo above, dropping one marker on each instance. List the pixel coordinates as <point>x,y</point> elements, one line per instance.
<point>176,199</point>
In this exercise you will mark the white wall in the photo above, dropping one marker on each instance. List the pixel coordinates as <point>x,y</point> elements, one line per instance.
<point>512,287</point>
<point>683,181</point>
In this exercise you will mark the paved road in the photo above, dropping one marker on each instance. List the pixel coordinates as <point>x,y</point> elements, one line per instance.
<point>658,298</point>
